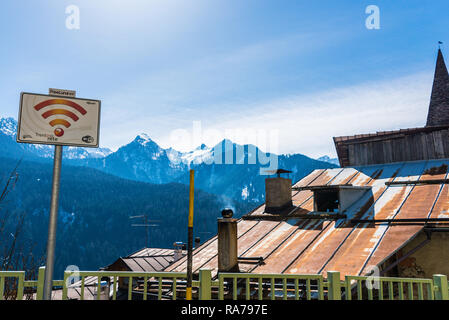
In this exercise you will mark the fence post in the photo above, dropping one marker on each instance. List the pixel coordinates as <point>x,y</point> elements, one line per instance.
<point>334,285</point>
<point>40,283</point>
<point>205,284</point>
<point>67,274</point>
<point>441,288</point>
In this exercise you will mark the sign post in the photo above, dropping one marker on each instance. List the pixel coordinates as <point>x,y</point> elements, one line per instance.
<point>51,119</point>
<point>51,240</point>
<point>190,239</point>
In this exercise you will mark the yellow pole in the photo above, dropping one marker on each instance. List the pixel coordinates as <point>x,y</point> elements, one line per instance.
<point>190,239</point>
<point>191,198</point>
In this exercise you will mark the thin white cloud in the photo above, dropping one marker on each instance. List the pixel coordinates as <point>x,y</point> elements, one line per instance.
<point>206,89</point>
<point>307,123</point>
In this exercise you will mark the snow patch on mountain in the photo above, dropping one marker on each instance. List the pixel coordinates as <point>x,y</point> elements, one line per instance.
<point>329,160</point>
<point>8,126</point>
<point>197,156</point>
<point>143,139</point>
<point>84,153</point>
<point>245,193</point>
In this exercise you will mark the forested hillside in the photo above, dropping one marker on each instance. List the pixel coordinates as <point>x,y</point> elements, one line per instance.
<point>94,227</point>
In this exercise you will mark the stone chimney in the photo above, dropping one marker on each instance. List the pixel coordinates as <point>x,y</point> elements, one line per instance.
<point>227,242</point>
<point>278,194</point>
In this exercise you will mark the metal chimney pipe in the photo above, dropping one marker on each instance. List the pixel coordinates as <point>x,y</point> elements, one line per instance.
<point>227,242</point>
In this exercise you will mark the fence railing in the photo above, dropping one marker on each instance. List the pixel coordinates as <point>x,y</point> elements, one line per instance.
<point>123,285</point>
<point>16,286</point>
<point>106,284</point>
<point>389,288</point>
<point>270,286</point>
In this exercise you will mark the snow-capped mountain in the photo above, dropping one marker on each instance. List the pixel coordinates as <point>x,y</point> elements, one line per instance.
<point>227,169</point>
<point>94,197</point>
<point>143,160</point>
<point>244,176</point>
<point>12,149</point>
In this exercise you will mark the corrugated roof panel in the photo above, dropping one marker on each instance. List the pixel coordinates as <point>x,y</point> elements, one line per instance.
<point>301,196</point>
<point>208,257</point>
<point>133,265</point>
<point>326,177</point>
<point>156,251</point>
<point>272,240</point>
<point>312,246</point>
<point>364,207</point>
<point>344,176</point>
<point>441,208</point>
<point>418,205</point>
<point>293,246</point>
<point>203,254</point>
<point>283,230</point>
<point>364,238</point>
<point>149,264</point>
<point>309,178</point>
<point>246,241</point>
<point>162,262</point>
<point>181,263</point>
<point>367,174</point>
<point>319,252</point>
<point>166,252</point>
<point>395,237</point>
<point>297,197</point>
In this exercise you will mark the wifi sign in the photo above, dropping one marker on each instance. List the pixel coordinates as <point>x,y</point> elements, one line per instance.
<point>59,132</point>
<point>49,119</point>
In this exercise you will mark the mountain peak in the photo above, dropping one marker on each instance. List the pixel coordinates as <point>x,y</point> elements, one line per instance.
<point>143,139</point>
<point>143,135</point>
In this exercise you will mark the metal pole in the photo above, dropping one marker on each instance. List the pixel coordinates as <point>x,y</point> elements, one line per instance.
<point>190,240</point>
<point>51,241</point>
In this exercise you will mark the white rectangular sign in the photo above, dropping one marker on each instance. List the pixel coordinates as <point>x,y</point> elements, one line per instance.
<point>62,92</point>
<point>58,120</point>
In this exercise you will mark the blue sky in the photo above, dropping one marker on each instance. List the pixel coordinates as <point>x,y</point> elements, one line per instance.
<point>308,70</point>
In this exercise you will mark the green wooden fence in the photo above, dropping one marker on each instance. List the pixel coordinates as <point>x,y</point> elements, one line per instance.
<point>113,285</point>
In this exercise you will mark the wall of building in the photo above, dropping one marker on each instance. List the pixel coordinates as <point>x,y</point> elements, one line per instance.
<point>431,259</point>
<point>423,144</point>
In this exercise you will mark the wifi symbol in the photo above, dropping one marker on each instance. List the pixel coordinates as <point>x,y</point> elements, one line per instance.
<point>58,122</point>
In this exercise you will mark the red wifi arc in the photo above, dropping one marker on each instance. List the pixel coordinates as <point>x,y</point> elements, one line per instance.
<point>59,131</point>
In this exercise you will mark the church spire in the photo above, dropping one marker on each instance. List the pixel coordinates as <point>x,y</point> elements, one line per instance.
<point>439,101</point>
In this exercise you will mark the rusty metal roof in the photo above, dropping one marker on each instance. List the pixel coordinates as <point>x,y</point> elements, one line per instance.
<point>298,246</point>
<point>146,260</point>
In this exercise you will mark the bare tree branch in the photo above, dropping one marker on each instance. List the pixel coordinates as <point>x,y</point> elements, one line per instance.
<point>17,252</point>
